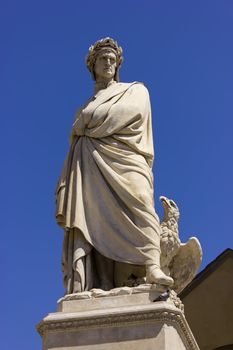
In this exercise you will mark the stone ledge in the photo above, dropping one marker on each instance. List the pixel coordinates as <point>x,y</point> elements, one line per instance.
<point>159,312</point>
<point>103,300</point>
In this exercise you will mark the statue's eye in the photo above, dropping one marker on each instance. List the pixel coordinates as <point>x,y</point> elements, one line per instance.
<point>172,204</point>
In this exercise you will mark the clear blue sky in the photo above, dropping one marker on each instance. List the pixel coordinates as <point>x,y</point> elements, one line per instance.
<point>182,50</point>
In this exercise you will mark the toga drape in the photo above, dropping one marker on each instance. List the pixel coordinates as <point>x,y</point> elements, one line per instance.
<point>105,192</point>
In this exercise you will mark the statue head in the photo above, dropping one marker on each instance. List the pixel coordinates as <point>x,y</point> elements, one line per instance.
<point>106,45</point>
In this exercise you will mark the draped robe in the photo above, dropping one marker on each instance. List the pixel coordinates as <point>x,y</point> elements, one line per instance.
<point>105,193</point>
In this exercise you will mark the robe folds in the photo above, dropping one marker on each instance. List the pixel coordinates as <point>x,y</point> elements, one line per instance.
<point>104,198</point>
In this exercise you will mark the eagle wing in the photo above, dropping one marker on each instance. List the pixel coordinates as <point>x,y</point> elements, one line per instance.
<point>185,264</point>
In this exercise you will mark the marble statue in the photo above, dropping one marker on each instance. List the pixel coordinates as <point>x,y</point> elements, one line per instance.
<point>104,197</point>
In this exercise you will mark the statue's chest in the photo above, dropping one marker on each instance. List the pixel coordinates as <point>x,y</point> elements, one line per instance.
<point>94,114</point>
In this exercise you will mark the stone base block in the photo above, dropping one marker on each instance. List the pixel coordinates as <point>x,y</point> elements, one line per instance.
<point>125,322</point>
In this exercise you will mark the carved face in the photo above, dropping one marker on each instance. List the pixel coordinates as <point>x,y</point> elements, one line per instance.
<point>105,66</point>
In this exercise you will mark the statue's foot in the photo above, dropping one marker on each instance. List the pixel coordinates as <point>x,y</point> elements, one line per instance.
<point>155,275</point>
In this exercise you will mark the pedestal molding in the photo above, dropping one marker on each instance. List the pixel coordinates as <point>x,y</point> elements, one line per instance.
<point>160,311</point>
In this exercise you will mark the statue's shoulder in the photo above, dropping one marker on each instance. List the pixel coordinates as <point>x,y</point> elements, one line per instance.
<point>135,85</point>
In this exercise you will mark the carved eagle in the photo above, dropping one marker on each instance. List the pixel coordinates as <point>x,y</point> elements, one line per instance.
<point>178,260</point>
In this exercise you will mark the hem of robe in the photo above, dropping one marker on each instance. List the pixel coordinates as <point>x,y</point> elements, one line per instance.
<point>148,260</point>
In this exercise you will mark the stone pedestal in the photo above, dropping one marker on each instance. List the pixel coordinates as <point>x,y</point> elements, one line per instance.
<point>126,320</point>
